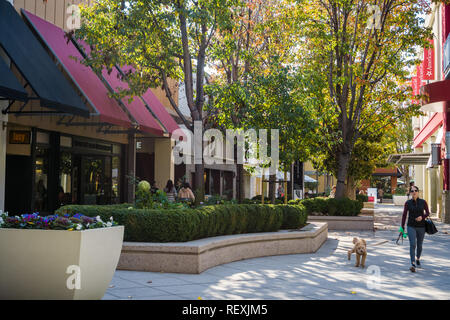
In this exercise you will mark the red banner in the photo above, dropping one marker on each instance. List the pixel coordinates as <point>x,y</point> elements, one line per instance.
<point>419,74</point>
<point>415,92</point>
<point>428,62</point>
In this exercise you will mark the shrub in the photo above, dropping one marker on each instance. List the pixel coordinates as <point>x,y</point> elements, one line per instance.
<point>294,216</point>
<point>180,225</point>
<point>258,198</point>
<point>401,191</point>
<point>332,206</point>
<point>362,198</point>
<point>316,205</point>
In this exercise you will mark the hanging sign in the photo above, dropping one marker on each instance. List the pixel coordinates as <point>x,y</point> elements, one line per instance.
<point>428,62</point>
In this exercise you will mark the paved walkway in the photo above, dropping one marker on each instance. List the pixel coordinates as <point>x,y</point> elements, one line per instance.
<point>326,274</point>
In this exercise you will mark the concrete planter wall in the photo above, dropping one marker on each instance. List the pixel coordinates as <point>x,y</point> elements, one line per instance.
<point>345,223</point>
<point>198,255</point>
<point>35,264</point>
<point>399,200</point>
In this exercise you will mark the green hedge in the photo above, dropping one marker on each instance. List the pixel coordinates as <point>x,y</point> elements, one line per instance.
<point>362,197</point>
<point>330,206</point>
<point>144,225</point>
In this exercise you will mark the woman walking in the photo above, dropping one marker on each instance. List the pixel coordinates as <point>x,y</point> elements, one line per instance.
<point>417,210</point>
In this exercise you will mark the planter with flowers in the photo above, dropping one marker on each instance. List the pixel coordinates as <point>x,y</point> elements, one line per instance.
<point>57,257</point>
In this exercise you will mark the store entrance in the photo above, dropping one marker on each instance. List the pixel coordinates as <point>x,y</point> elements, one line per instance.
<point>18,182</point>
<point>92,179</point>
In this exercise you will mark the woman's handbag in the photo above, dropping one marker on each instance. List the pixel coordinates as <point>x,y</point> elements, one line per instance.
<point>430,228</point>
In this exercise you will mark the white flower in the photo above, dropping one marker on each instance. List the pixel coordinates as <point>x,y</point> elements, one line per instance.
<point>1,221</point>
<point>98,219</point>
<point>109,224</point>
<point>111,219</point>
<point>79,226</point>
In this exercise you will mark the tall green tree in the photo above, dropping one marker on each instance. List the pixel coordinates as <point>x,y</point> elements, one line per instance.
<point>357,54</point>
<point>161,40</point>
<point>250,59</point>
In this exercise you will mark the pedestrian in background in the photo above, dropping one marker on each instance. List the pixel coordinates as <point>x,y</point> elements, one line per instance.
<point>170,191</point>
<point>185,193</point>
<point>333,192</point>
<point>380,195</point>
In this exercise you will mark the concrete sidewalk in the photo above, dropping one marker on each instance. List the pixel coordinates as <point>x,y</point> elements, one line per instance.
<point>326,274</point>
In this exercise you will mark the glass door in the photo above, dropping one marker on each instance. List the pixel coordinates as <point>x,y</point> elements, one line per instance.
<point>95,179</point>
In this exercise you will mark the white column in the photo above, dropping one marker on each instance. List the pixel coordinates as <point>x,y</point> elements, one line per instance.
<point>164,162</point>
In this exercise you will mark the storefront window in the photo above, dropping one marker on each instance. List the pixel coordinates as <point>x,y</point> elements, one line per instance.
<point>65,178</point>
<point>41,179</point>
<point>115,174</point>
<point>93,180</point>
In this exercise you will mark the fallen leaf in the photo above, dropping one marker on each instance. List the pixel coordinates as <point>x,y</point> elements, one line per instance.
<point>199,298</point>
<point>353,292</point>
<point>149,281</point>
<point>112,286</point>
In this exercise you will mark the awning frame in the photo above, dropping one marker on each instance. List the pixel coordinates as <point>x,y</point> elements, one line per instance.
<point>414,158</point>
<point>35,97</point>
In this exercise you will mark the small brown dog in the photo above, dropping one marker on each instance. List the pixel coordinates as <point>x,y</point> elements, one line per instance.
<point>360,250</point>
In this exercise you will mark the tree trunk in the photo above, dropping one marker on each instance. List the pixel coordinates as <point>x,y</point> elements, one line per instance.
<point>240,183</point>
<point>407,177</point>
<point>199,183</point>
<point>343,163</point>
<point>272,181</point>
<point>351,188</point>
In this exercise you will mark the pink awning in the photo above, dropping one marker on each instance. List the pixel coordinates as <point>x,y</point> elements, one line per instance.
<point>136,107</point>
<point>157,108</point>
<point>430,127</point>
<point>84,78</point>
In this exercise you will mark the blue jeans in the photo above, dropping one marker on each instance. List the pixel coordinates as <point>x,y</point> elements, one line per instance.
<point>415,235</point>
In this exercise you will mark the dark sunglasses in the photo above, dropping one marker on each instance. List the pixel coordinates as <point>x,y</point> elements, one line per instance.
<point>414,191</point>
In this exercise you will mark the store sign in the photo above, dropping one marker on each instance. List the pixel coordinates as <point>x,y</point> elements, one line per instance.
<point>446,58</point>
<point>19,137</point>
<point>428,62</point>
<point>372,194</point>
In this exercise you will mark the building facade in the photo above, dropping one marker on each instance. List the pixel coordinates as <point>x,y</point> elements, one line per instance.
<point>430,159</point>
<point>63,139</point>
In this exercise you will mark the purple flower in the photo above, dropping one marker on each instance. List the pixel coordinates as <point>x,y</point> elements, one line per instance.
<point>86,220</point>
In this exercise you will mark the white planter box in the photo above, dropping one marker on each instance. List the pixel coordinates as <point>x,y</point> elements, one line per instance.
<point>34,263</point>
<point>196,256</point>
<point>399,200</point>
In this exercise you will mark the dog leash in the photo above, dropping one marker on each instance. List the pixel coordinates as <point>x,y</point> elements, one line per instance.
<point>400,236</point>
